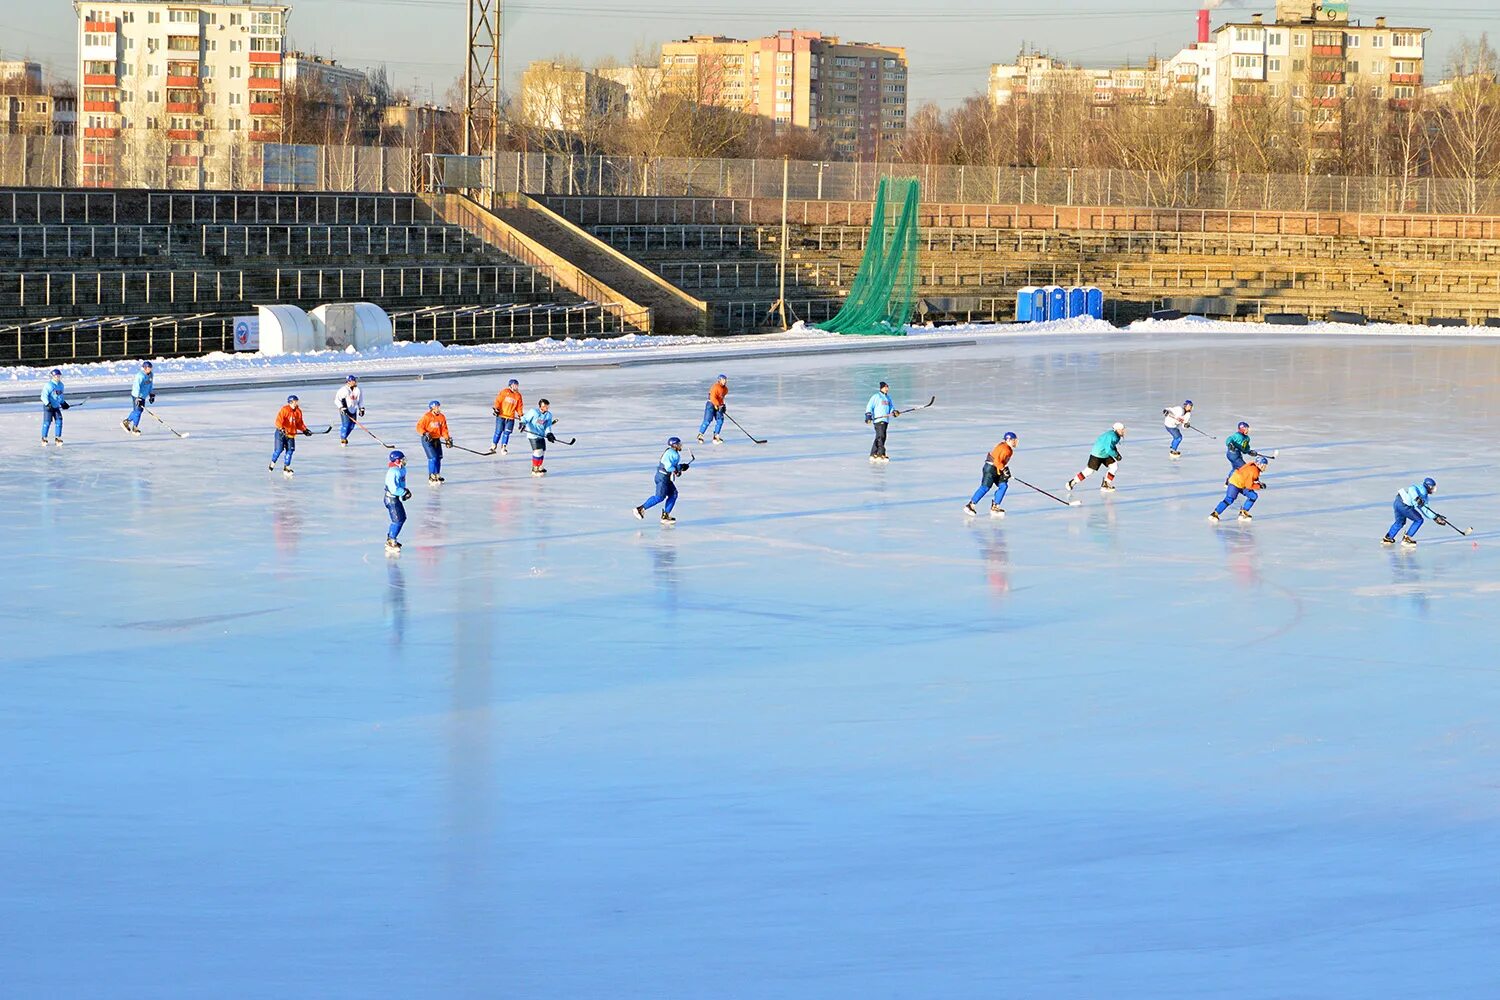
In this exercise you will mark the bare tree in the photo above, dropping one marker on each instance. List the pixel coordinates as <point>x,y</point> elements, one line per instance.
<point>1468,120</point>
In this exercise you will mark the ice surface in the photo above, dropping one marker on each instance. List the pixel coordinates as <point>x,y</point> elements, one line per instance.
<point>828,736</point>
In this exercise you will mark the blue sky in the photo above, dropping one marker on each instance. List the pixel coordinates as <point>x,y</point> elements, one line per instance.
<point>950,43</point>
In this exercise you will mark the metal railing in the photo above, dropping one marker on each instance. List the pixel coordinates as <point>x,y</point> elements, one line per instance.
<point>491,324</point>
<point>59,207</point>
<point>279,209</point>
<point>45,289</point>
<point>329,241</point>
<point>102,338</point>
<point>413,282</point>
<point>74,241</point>
<point>753,274</point>
<point>738,317</point>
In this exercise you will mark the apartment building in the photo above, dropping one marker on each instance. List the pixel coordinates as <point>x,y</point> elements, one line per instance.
<point>38,114</point>
<point>1312,60</point>
<point>566,98</point>
<point>190,74</point>
<point>20,76</point>
<point>855,92</point>
<point>323,75</point>
<point>1036,74</point>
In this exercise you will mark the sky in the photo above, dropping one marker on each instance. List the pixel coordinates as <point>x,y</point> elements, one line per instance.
<point>950,43</point>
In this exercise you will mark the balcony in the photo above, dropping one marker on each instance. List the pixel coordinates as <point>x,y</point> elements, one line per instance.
<point>184,108</point>
<point>1402,103</point>
<point>182,82</point>
<point>265,110</point>
<point>265,136</point>
<point>1327,102</point>
<point>1328,76</point>
<point>1249,100</point>
<point>1328,50</point>
<point>183,161</point>
<point>260,83</point>
<point>185,134</point>
<point>97,26</point>
<point>100,80</point>
<point>1409,79</point>
<point>93,159</point>
<point>112,107</point>
<point>265,57</point>
<point>101,133</point>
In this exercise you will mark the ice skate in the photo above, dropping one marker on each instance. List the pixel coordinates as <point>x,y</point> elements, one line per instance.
<point>1070,484</point>
<point>700,438</point>
<point>126,424</point>
<point>505,449</point>
<point>392,547</point>
<point>668,518</point>
<point>996,511</point>
<point>1387,540</point>
<point>432,480</point>
<point>1245,516</point>
<point>288,473</point>
<point>640,513</point>
<point>1408,540</point>
<point>1214,517</point>
<point>271,467</point>
<point>57,441</point>
<point>538,472</point>
<point>1106,487</point>
<point>1174,454</point>
<point>718,440</point>
<point>44,442</point>
<point>970,508</point>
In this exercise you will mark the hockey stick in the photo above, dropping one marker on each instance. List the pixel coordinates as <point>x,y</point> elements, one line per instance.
<point>1455,527</point>
<point>323,431</point>
<point>372,434</point>
<point>1065,503</point>
<point>1192,428</point>
<point>747,434</point>
<point>471,451</point>
<point>913,409</point>
<point>181,434</point>
<point>569,441</point>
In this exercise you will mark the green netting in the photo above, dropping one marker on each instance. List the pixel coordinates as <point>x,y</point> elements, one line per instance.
<point>881,295</point>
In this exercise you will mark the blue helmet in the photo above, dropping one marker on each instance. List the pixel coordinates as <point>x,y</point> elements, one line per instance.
<point>1429,484</point>
<point>1244,426</point>
<point>57,371</point>
<point>350,378</point>
<point>674,442</point>
<point>291,399</point>
<point>723,377</point>
<point>513,382</point>
<point>1010,436</point>
<point>145,364</point>
<point>1188,403</point>
<point>432,403</point>
<point>397,456</point>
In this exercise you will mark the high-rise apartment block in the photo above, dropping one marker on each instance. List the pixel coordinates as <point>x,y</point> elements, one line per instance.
<point>854,92</point>
<point>198,72</point>
<point>1312,61</point>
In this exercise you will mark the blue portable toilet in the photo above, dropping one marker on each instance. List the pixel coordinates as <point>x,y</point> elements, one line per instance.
<point>1095,302</point>
<point>1057,302</point>
<point>1026,305</point>
<point>1078,302</point>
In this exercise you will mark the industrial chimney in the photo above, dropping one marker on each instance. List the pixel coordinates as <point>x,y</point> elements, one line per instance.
<point>1203,29</point>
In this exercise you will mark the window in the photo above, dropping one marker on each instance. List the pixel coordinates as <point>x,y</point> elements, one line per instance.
<point>1299,116</point>
<point>1353,67</point>
<point>235,45</point>
<point>1299,65</point>
<point>182,43</point>
<point>1351,41</point>
<point>128,17</point>
<point>1273,65</point>
<point>182,16</point>
<point>1377,42</point>
<point>234,99</point>
<point>1377,66</point>
<point>234,124</point>
<point>1299,40</point>
<point>1377,92</point>
<point>235,20</point>
<point>1247,34</point>
<point>274,45</point>
<point>152,44</point>
<point>1273,38</point>
<point>234,72</point>
<point>1404,66</point>
<point>1403,93</point>
<point>1327,90</point>
<point>1406,41</point>
<point>153,17</point>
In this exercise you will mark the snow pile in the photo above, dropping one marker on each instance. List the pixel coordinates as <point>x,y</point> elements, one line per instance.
<point>1198,324</point>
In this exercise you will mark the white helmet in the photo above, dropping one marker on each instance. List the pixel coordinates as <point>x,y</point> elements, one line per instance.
<point>1119,428</point>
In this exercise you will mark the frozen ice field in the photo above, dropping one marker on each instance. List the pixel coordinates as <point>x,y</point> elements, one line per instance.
<point>828,736</point>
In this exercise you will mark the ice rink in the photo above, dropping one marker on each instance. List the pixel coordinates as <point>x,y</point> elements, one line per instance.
<point>826,737</point>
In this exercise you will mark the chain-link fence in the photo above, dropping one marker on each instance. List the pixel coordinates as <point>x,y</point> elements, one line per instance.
<point>154,160</point>
<point>551,174</point>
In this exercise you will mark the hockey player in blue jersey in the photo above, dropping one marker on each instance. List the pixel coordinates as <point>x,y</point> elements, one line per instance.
<point>350,400</point>
<point>1237,447</point>
<point>1104,455</point>
<point>142,392</point>
<point>1411,508</point>
<point>537,424</point>
<point>669,468</point>
<point>53,404</point>
<point>396,494</point>
<point>880,411</point>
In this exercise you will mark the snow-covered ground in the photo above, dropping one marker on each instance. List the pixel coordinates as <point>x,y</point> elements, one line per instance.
<point>828,736</point>
<point>20,383</point>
